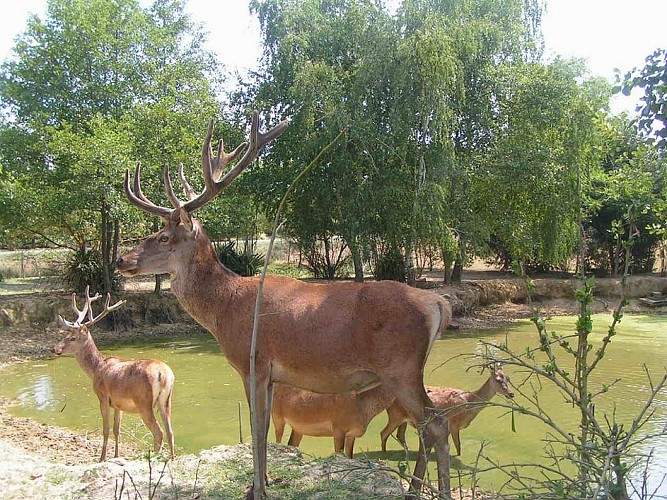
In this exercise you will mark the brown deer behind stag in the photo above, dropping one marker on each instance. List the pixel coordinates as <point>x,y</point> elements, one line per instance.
<point>327,338</point>
<point>460,407</point>
<point>344,417</point>
<point>130,385</point>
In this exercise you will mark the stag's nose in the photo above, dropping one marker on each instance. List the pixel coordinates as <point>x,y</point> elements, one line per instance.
<point>55,351</point>
<point>119,262</point>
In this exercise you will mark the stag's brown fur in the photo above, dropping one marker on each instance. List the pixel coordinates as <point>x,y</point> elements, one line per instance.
<point>333,338</point>
<point>344,417</point>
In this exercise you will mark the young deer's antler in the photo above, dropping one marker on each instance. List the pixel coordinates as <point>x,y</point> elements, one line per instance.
<point>87,309</point>
<point>213,168</point>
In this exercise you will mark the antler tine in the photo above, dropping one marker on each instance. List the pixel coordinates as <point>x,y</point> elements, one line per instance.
<point>107,309</point>
<point>89,303</point>
<point>137,197</point>
<point>222,160</point>
<point>186,186</point>
<point>170,191</point>
<point>257,142</point>
<point>81,313</point>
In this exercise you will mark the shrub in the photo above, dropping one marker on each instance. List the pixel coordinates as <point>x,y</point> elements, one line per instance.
<point>390,265</point>
<point>84,267</point>
<point>244,264</point>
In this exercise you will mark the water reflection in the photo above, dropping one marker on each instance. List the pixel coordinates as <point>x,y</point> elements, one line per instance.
<point>39,392</point>
<point>208,392</point>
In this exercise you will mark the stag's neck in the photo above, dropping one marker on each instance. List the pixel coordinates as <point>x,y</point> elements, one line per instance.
<point>89,358</point>
<point>203,286</point>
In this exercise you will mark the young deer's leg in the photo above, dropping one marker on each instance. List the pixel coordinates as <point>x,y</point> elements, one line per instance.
<point>295,438</point>
<point>400,434</point>
<point>349,447</point>
<point>117,417</point>
<point>104,409</point>
<point>394,421</point>
<point>164,402</point>
<point>278,427</point>
<point>151,422</point>
<point>339,440</point>
<point>456,439</point>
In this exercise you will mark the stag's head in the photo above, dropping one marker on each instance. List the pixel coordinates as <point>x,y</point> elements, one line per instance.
<point>176,242</point>
<point>79,334</point>
<point>500,382</point>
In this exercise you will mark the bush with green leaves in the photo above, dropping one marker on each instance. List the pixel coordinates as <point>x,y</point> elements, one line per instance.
<point>84,268</point>
<point>390,265</point>
<point>243,264</point>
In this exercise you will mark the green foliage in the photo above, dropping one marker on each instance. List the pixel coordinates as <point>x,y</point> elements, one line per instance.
<point>243,264</point>
<point>390,265</point>
<point>83,268</point>
<point>135,84</point>
<point>289,269</point>
<point>652,78</point>
<point>624,199</point>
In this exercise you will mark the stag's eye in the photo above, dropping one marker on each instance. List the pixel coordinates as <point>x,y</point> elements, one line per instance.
<point>164,238</point>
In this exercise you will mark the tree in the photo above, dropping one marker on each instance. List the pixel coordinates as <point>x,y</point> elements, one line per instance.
<point>652,78</point>
<point>625,197</point>
<point>529,184</point>
<point>322,67</point>
<point>91,89</point>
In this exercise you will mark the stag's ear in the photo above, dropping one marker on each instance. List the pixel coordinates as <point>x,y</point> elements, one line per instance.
<point>186,219</point>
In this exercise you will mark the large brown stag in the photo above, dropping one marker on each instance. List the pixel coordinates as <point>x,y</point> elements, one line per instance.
<point>327,338</point>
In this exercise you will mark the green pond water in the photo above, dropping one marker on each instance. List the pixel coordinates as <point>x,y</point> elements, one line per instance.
<point>209,395</point>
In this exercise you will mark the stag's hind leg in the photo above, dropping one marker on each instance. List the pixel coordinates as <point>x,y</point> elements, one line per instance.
<point>164,402</point>
<point>433,432</point>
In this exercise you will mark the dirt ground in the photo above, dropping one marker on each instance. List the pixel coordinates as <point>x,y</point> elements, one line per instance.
<point>39,444</point>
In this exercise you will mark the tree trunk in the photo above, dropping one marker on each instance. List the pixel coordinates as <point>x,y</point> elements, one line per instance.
<point>457,271</point>
<point>106,246</point>
<point>358,262</point>
<point>158,277</point>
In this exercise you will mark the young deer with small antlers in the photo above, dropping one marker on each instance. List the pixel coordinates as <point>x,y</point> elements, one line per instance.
<point>326,338</point>
<point>460,407</point>
<point>133,386</point>
<point>343,416</point>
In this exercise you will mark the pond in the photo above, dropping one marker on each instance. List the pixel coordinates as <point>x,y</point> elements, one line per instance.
<point>209,398</point>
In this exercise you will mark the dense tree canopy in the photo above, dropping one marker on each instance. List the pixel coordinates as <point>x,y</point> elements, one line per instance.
<point>458,139</point>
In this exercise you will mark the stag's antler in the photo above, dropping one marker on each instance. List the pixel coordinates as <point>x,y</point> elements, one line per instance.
<point>213,168</point>
<point>87,309</point>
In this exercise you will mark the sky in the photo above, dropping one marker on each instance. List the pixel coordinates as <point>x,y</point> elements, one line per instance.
<point>608,34</point>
